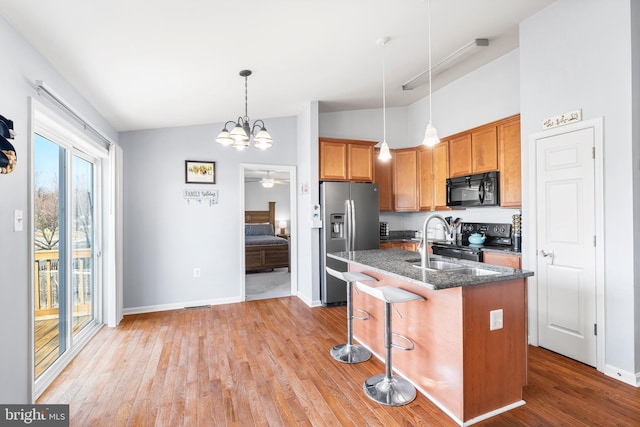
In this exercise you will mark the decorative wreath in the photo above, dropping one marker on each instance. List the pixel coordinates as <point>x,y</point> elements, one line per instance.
<point>8,156</point>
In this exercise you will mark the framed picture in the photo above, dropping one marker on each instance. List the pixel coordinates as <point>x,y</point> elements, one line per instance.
<point>198,172</point>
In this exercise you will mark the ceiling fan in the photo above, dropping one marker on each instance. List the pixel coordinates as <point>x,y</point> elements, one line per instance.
<point>267,178</point>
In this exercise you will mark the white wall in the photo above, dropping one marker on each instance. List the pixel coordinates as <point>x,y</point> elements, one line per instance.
<point>367,125</point>
<point>308,196</point>
<point>577,54</point>
<point>166,237</point>
<point>21,66</point>
<point>489,93</point>
<point>635,226</point>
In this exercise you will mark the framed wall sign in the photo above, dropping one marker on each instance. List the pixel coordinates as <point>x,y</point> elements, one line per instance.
<point>199,172</point>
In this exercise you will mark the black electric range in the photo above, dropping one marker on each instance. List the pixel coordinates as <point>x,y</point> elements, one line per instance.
<point>497,236</point>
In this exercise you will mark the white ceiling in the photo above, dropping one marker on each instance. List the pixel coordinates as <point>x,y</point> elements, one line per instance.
<point>161,63</point>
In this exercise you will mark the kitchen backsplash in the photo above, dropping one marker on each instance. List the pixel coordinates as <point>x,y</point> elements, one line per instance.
<point>402,234</point>
<point>403,221</point>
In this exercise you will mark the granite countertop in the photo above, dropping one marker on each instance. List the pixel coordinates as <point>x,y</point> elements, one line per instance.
<point>399,263</point>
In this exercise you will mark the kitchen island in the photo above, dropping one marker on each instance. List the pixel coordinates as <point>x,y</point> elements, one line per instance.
<point>469,365</point>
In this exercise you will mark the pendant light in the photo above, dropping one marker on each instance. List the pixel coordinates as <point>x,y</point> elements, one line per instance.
<point>384,154</point>
<point>430,134</point>
<point>242,132</point>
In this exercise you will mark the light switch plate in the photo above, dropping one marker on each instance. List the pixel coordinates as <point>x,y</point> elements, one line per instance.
<point>18,220</point>
<point>495,320</point>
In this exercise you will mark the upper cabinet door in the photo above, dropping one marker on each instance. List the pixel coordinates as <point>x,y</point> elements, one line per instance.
<point>510,163</point>
<point>484,149</point>
<point>440,174</point>
<point>405,179</point>
<point>384,178</point>
<point>460,155</point>
<point>360,162</point>
<point>333,161</point>
<point>425,178</point>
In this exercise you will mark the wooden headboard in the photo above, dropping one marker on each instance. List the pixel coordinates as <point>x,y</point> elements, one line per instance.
<point>260,217</point>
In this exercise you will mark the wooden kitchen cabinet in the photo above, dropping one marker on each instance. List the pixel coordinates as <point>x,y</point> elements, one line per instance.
<point>505,260</point>
<point>360,162</point>
<point>346,160</point>
<point>460,155</point>
<point>484,149</point>
<point>440,174</point>
<point>425,178</point>
<point>509,161</point>
<point>400,244</point>
<point>405,179</point>
<point>475,151</point>
<point>383,176</point>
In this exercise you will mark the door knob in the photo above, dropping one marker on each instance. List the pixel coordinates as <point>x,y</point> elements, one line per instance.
<point>547,254</point>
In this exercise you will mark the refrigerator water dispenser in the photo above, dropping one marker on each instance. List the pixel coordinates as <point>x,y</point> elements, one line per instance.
<point>336,222</point>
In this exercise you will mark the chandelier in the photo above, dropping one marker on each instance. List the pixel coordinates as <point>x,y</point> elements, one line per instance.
<point>240,136</point>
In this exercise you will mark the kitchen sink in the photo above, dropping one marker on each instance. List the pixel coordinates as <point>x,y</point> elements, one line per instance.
<point>472,271</point>
<point>443,265</point>
<point>438,265</point>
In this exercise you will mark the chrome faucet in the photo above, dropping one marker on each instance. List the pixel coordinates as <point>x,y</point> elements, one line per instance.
<point>424,260</point>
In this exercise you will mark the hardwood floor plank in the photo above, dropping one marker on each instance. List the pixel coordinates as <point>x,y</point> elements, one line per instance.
<point>267,363</point>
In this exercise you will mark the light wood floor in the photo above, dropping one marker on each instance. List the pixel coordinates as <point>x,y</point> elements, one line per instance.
<point>267,363</point>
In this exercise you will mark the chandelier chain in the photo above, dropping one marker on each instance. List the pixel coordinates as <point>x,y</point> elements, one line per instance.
<point>246,97</point>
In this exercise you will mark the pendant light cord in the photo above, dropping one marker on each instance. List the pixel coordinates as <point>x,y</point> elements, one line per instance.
<point>384,99</point>
<point>429,34</point>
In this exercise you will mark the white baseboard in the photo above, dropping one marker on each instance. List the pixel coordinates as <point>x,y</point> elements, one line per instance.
<point>309,302</point>
<point>193,304</point>
<point>179,305</point>
<point>622,375</point>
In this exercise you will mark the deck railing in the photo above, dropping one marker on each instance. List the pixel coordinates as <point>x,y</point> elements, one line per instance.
<point>47,279</point>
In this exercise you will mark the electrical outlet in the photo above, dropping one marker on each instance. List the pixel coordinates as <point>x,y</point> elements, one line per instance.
<point>495,320</point>
<point>196,272</point>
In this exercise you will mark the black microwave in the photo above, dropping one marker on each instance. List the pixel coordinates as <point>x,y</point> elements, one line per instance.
<point>482,189</point>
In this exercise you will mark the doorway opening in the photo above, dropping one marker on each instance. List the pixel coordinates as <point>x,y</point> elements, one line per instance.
<point>269,254</point>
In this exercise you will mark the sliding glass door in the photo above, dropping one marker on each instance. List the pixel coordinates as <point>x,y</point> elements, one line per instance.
<point>64,248</point>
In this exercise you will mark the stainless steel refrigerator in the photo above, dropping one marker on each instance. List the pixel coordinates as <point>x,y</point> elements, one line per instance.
<point>350,222</point>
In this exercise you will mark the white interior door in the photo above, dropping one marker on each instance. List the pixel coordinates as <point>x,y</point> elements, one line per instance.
<point>566,250</point>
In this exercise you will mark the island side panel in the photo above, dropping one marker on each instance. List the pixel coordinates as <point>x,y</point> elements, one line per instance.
<point>495,362</point>
<point>434,325</point>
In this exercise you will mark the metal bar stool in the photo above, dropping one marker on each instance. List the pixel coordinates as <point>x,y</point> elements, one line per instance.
<point>386,388</point>
<point>350,352</point>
